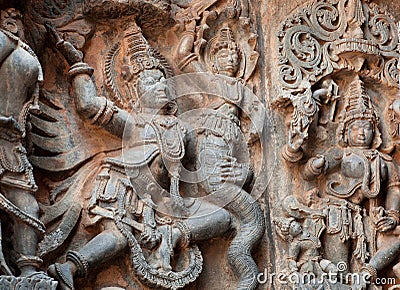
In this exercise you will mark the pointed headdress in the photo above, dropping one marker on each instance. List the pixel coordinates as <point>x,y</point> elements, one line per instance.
<point>358,106</point>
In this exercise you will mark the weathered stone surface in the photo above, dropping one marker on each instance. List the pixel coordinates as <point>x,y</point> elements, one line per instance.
<point>199,144</point>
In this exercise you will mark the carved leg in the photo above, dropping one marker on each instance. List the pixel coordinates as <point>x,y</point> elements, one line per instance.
<point>25,237</point>
<point>101,248</point>
<point>384,256</point>
<point>210,221</point>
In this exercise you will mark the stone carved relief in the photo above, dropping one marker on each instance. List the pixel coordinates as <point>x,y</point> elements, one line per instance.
<point>118,198</point>
<point>113,144</point>
<point>233,58</point>
<point>22,75</point>
<point>330,36</point>
<point>99,199</point>
<point>341,82</point>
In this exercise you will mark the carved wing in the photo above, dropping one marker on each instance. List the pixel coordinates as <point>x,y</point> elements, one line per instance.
<point>60,139</point>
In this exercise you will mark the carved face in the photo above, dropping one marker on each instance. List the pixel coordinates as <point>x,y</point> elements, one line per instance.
<point>226,62</point>
<point>295,229</point>
<point>9,20</point>
<point>152,89</point>
<point>361,133</point>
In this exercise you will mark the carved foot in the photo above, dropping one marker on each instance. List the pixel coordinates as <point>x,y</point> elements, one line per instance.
<point>63,274</point>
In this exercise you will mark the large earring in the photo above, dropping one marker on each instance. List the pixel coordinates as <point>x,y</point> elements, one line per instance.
<point>172,108</point>
<point>215,68</point>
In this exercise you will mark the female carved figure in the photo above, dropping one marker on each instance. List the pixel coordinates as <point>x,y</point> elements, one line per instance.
<point>21,74</point>
<point>361,173</point>
<point>219,144</point>
<point>132,185</point>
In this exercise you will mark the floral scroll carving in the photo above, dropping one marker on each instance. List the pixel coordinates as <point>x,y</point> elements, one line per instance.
<point>330,36</point>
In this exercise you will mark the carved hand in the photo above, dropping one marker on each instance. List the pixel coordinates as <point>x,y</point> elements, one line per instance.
<point>318,163</point>
<point>385,224</point>
<point>186,43</point>
<point>295,146</point>
<point>71,54</point>
<point>232,171</point>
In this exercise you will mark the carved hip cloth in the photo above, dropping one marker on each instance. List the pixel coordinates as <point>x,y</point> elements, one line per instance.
<point>347,220</point>
<point>15,169</point>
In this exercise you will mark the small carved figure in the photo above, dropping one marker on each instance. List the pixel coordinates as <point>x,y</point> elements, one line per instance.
<point>394,118</point>
<point>21,74</point>
<point>303,255</point>
<point>218,148</point>
<point>302,231</point>
<point>129,197</point>
<point>362,174</point>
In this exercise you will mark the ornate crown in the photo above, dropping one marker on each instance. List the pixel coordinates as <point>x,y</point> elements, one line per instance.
<point>124,62</point>
<point>224,39</point>
<point>358,106</point>
<point>139,56</point>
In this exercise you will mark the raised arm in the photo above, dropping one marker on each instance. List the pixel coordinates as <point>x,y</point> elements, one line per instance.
<point>96,110</point>
<point>187,58</point>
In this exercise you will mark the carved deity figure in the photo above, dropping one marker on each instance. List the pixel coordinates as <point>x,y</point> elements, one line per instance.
<point>21,74</point>
<point>136,195</point>
<point>356,174</point>
<point>303,255</point>
<point>218,148</point>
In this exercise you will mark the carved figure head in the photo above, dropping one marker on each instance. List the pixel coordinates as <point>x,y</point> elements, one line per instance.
<point>11,21</point>
<point>225,53</point>
<point>145,72</point>
<point>359,121</point>
<point>360,134</point>
<point>288,228</point>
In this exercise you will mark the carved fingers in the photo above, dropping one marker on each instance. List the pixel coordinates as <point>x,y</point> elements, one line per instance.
<point>295,145</point>
<point>385,224</point>
<point>232,171</point>
<point>53,33</point>
<point>319,162</point>
<point>71,54</point>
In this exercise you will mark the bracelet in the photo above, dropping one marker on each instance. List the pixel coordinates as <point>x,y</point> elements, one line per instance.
<point>80,68</point>
<point>394,214</point>
<point>371,271</point>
